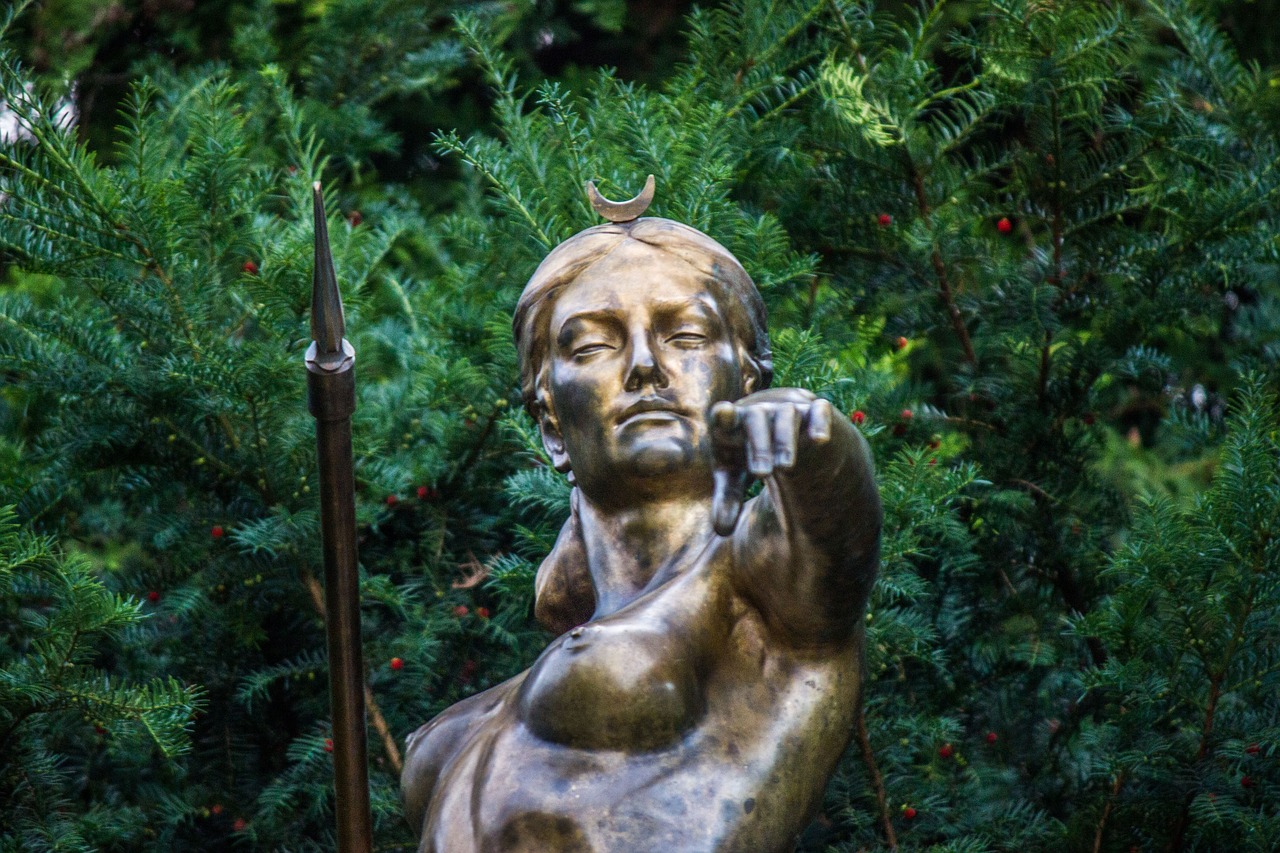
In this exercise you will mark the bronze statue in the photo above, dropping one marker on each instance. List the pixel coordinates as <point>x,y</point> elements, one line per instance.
<point>706,673</point>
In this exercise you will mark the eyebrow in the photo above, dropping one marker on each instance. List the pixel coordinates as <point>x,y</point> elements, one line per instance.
<point>592,315</point>
<point>704,307</point>
<point>702,304</point>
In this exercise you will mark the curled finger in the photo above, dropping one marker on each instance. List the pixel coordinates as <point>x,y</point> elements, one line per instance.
<point>759,441</point>
<point>786,431</point>
<point>820,421</point>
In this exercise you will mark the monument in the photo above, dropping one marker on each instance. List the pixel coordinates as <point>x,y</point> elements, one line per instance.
<point>706,672</point>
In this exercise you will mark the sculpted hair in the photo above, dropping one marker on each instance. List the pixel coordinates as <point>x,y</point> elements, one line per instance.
<point>735,292</point>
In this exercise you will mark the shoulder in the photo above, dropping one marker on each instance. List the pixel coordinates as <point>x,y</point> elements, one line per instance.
<point>430,749</point>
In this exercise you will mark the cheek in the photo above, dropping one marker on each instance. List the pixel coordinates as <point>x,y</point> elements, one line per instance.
<point>720,374</point>
<point>576,395</point>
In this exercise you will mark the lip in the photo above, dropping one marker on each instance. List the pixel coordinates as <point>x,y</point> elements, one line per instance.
<point>650,408</point>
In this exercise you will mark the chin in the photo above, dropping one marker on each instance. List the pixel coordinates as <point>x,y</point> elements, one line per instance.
<point>659,458</point>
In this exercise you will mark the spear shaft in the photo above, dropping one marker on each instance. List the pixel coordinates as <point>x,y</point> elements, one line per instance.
<point>331,397</point>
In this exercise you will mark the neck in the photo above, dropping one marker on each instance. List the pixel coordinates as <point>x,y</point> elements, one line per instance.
<point>628,547</point>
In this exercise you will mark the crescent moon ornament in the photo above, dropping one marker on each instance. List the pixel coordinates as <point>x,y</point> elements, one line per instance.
<point>621,211</point>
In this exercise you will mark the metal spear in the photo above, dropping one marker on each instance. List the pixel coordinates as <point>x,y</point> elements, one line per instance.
<point>331,397</point>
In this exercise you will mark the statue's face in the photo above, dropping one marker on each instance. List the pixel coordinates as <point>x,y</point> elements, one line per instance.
<point>640,351</point>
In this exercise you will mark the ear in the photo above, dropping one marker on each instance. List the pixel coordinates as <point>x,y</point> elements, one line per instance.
<point>750,375</point>
<point>552,441</point>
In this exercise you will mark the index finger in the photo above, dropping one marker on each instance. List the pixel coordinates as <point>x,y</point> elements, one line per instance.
<point>725,417</point>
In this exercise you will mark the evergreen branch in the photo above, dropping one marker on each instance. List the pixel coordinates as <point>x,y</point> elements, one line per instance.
<point>474,451</point>
<point>27,199</point>
<point>942,94</point>
<point>779,42</point>
<point>940,268</point>
<point>93,249</point>
<point>855,49</point>
<point>1046,352</point>
<point>12,14</point>
<point>784,105</point>
<point>451,142</point>
<point>1194,38</point>
<point>745,98</point>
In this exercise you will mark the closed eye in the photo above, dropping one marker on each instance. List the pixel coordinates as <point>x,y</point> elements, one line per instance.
<point>687,339</point>
<point>591,349</point>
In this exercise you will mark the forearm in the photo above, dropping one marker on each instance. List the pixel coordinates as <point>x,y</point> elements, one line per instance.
<point>808,547</point>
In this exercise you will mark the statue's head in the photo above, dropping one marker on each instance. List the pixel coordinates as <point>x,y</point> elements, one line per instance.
<point>627,333</point>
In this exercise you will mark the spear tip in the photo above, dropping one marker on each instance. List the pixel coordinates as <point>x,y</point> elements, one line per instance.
<point>327,323</point>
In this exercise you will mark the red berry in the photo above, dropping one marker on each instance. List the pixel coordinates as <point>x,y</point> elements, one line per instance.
<point>1253,749</point>
<point>933,460</point>
<point>355,218</point>
<point>858,417</point>
<point>422,493</point>
<point>250,267</point>
<point>482,612</point>
<point>935,443</point>
<point>216,531</point>
<point>885,220</point>
<point>216,808</point>
<point>328,744</point>
<point>899,430</point>
<point>391,500</point>
<point>992,737</point>
<point>1247,782</point>
<point>907,414</point>
<point>467,671</point>
<point>1089,418</point>
<point>99,730</point>
<point>154,595</point>
<point>240,824</point>
<point>397,664</point>
<point>909,813</point>
<point>461,610</point>
<point>1004,226</point>
<point>946,750</point>
<point>900,342</point>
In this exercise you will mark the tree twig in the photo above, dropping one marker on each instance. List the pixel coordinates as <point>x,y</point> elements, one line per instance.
<point>877,781</point>
<point>371,705</point>
<point>940,270</point>
<point>1106,811</point>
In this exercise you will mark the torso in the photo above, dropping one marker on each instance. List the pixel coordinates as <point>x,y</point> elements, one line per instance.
<point>675,723</point>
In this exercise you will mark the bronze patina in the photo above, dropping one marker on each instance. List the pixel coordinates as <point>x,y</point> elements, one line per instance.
<point>331,397</point>
<point>706,674</point>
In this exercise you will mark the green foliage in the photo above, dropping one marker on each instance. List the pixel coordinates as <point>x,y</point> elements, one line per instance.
<point>59,697</point>
<point>1186,731</point>
<point>1028,246</point>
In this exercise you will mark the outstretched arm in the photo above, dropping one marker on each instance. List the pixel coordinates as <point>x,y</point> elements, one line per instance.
<point>806,549</point>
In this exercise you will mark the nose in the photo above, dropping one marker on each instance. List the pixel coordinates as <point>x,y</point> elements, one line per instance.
<point>643,367</point>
